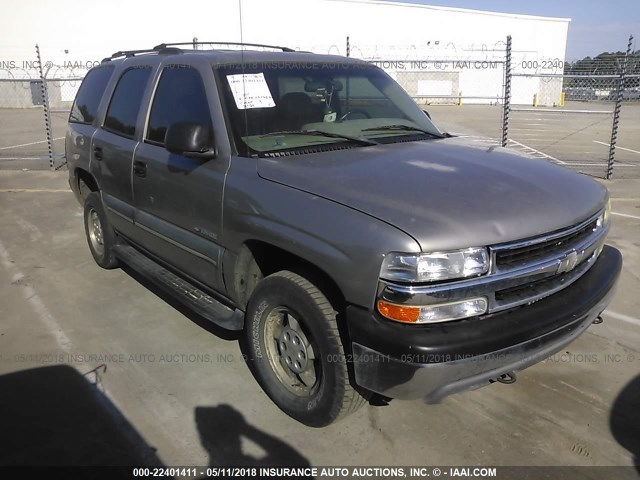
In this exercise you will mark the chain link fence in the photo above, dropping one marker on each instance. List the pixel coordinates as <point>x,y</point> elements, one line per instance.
<point>584,115</point>
<point>575,115</point>
<point>35,98</point>
<point>457,85</point>
<point>23,142</point>
<point>567,113</point>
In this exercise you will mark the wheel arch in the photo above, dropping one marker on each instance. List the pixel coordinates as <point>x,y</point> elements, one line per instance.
<point>86,182</point>
<point>257,259</point>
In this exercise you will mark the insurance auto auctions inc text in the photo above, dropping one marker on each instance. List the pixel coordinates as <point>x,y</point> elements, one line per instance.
<point>376,472</point>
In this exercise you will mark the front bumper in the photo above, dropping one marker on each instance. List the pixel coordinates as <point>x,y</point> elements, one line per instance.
<point>433,361</point>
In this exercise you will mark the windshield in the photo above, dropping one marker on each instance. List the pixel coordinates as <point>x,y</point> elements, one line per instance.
<point>282,106</point>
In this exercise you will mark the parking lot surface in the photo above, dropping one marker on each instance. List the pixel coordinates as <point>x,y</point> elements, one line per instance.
<point>182,394</point>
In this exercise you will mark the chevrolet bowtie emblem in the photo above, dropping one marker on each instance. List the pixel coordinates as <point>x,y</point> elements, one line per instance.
<point>569,262</point>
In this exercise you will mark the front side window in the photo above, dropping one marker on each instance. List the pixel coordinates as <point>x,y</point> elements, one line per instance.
<point>126,100</point>
<point>281,106</point>
<point>85,105</point>
<point>180,97</point>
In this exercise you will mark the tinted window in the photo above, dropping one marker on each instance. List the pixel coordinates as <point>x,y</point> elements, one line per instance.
<point>85,106</point>
<point>180,97</point>
<point>126,100</point>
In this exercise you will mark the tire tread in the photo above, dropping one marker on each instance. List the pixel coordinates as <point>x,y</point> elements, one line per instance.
<point>351,399</point>
<point>109,260</point>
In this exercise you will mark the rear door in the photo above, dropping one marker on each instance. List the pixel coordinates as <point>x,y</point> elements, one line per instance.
<point>178,199</point>
<point>115,142</point>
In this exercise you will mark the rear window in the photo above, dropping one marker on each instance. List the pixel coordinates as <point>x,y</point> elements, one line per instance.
<point>85,106</point>
<point>126,100</point>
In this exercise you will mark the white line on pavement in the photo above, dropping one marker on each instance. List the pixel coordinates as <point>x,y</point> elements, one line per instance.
<point>625,215</point>
<point>622,316</point>
<point>30,295</point>
<point>27,144</point>
<point>537,151</point>
<point>543,111</point>
<point>34,190</point>
<point>600,164</point>
<point>617,147</point>
<point>526,129</point>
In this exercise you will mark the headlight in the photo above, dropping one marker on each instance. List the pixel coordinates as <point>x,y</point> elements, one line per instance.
<point>429,267</point>
<point>606,214</point>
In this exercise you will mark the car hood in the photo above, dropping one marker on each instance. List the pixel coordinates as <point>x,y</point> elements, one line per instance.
<point>447,194</point>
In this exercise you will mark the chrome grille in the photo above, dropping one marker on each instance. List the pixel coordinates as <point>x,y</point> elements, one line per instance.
<point>544,265</point>
<point>519,256</point>
<point>538,289</point>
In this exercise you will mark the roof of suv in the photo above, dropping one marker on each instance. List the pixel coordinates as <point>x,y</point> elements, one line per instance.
<point>229,56</point>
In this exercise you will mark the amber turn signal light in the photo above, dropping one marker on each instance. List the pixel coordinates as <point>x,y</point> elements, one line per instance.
<point>399,313</point>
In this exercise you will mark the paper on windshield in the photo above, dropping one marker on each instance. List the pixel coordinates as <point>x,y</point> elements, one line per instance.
<point>250,90</point>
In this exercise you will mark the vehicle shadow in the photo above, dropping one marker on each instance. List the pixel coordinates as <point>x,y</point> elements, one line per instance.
<point>230,440</point>
<point>624,420</point>
<point>55,416</point>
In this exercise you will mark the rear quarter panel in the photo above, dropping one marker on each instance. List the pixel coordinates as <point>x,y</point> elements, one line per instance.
<point>78,151</point>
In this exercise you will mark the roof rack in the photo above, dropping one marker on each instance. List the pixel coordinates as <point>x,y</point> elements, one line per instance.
<point>170,48</point>
<point>239,44</point>
<point>133,53</point>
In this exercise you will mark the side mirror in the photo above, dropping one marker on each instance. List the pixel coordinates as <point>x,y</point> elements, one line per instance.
<point>427,114</point>
<point>190,140</point>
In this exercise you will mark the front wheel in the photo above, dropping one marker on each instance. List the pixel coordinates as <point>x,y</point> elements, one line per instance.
<point>295,351</point>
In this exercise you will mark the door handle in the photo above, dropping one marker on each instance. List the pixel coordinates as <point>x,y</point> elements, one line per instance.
<point>140,168</point>
<point>97,153</point>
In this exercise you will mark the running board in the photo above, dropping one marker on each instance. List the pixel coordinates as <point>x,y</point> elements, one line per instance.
<point>186,293</point>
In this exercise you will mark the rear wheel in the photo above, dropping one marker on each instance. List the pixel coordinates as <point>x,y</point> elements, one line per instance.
<point>295,350</point>
<point>100,234</point>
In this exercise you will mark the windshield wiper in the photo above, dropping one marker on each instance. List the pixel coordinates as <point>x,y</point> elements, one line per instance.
<point>362,141</point>
<point>401,127</point>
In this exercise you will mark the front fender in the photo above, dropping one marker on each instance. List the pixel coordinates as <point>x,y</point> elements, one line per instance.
<point>346,244</point>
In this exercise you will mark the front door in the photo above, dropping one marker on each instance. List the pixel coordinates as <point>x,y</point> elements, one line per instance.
<point>178,200</point>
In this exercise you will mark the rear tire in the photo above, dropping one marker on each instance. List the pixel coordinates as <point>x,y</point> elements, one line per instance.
<point>295,351</point>
<point>100,234</point>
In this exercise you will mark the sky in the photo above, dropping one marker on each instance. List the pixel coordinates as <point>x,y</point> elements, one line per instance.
<point>596,25</point>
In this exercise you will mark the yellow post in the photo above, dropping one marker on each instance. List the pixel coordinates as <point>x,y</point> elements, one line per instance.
<point>535,99</point>
<point>562,98</point>
<point>459,98</point>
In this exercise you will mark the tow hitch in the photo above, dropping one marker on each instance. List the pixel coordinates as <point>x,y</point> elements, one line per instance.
<point>506,378</point>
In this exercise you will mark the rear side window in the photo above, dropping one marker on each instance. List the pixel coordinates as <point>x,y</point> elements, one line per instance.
<point>85,106</point>
<point>180,97</point>
<point>125,102</point>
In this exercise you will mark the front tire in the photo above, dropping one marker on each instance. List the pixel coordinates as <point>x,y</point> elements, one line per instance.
<point>295,351</point>
<point>100,234</point>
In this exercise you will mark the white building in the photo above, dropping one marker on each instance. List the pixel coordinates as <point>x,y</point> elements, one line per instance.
<point>432,51</point>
